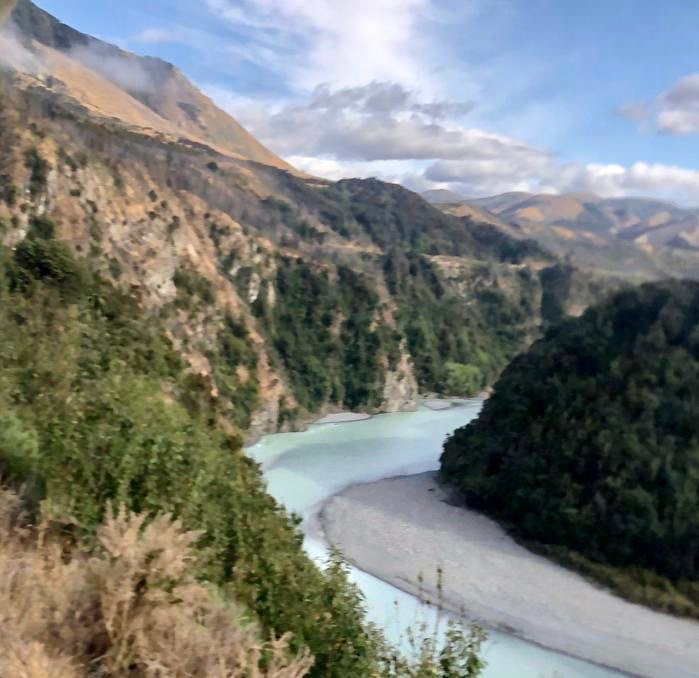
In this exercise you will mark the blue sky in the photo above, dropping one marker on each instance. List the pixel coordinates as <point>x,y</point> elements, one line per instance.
<point>481,96</point>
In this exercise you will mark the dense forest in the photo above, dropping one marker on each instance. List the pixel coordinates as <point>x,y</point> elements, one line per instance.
<point>94,408</point>
<point>327,328</point>
<point>97,410</point>
<point>589,446</point>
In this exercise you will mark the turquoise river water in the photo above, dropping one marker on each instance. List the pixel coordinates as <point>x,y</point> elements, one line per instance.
<point>303,470</point>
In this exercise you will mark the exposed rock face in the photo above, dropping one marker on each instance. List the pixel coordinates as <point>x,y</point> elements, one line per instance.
<point>400,388</point>
<point>236,255</point>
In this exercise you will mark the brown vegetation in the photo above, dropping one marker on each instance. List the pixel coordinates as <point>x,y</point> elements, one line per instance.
<point>132,608</point>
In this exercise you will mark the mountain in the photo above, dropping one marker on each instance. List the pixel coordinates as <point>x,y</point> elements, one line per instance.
<point>633,237</point>
<point>589,445</point>
<point>289,295</point>
<point>143,93</point>
<point>169,288</point>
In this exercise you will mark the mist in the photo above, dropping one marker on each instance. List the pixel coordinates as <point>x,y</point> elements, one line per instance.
<point>13,54</point>
<point>120,68</point>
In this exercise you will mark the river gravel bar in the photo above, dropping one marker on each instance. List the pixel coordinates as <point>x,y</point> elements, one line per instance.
<point>342,418</point>
<point>398,528</point>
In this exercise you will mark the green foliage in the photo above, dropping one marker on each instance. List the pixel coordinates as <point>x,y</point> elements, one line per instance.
<point>238,387</point>
<point>443,329</point>
<point>462,379</point>
<point>322,332</point>
<point>291,217</point>
<point>433,654</point>
<point>40,262</point>
<point>38,171</point>
<point>436,649</point>
<point>41,227</point>
<point>591,440</point>
<point>192,286</point>
<point>391,215</point>
<point>8,190</point>
<point>95,408</point>
<point>19,446</point>
<point>481,326</point>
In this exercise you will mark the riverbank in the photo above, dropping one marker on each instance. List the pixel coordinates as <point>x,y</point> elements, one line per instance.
<point>399,528</point>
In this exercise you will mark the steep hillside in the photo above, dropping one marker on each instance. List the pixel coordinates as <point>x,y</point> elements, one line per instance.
<point>97,408</point>
<point>285,295</point>
<point>590,444</point>
<point>143,92</point>
<point>632,237</point>
<point>200,238</point>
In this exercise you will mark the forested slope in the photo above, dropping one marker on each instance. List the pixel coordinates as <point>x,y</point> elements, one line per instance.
<point>95,407</point>
<point>591,442</point>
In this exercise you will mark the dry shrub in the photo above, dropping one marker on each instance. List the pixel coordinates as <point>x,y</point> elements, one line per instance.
<point>134,609</point>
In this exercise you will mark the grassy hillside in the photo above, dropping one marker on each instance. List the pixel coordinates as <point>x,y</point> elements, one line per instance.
<point>590,445</point>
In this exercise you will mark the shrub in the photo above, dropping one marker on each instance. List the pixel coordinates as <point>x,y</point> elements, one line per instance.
<point>132,608</point>
<point>41,227</point>
<point>38,171</point>
<point>51,263</point>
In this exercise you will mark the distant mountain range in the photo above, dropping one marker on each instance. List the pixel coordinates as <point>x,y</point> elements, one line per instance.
<point>632,236</point>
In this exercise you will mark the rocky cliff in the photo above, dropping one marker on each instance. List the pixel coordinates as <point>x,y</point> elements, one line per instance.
<point>287,295</point>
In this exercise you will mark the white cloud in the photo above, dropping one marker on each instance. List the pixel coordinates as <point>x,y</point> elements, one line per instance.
<point>657,179</point>
<point>674,111</point>
<point>538,174</point>
<point>381,130</point>
<point>679,107</point>
<point>366,93</point>
<point>341,43</point>
<point>154,36</point>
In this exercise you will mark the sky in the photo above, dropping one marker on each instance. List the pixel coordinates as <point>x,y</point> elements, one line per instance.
<point>477,96</point>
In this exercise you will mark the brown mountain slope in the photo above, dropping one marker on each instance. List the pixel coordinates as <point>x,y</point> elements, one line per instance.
<point>140,91</point>
<point>642,220</point>
<point>285,295</point>
<point>633,237</point>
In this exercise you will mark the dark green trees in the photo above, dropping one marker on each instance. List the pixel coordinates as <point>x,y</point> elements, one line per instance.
<point>96,407</point>
<point>591,440</point>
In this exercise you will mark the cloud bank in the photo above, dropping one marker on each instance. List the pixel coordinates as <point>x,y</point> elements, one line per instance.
<point>375,88</point>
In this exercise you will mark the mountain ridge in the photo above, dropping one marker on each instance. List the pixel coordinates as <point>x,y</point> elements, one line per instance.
<point>144,91</point>
<point>288,296</point>
<point>647,237</point>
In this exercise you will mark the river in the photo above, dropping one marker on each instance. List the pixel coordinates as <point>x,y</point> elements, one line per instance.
<point>303,470</point>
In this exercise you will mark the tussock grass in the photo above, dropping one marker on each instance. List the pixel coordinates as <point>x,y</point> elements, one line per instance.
<point>131,608</point>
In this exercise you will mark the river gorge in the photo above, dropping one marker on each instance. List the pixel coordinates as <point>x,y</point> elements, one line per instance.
<point>304,470</point>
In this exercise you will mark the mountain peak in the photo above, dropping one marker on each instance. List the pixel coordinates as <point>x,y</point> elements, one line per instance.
<point>139,91</point>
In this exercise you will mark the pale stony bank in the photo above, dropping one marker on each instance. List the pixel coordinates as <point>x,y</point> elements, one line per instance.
<point>342,417</point>
<point>398,528</point>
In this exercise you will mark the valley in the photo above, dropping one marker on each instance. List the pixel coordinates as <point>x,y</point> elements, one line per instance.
<point>313,470</point>
<point>211,356</point>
